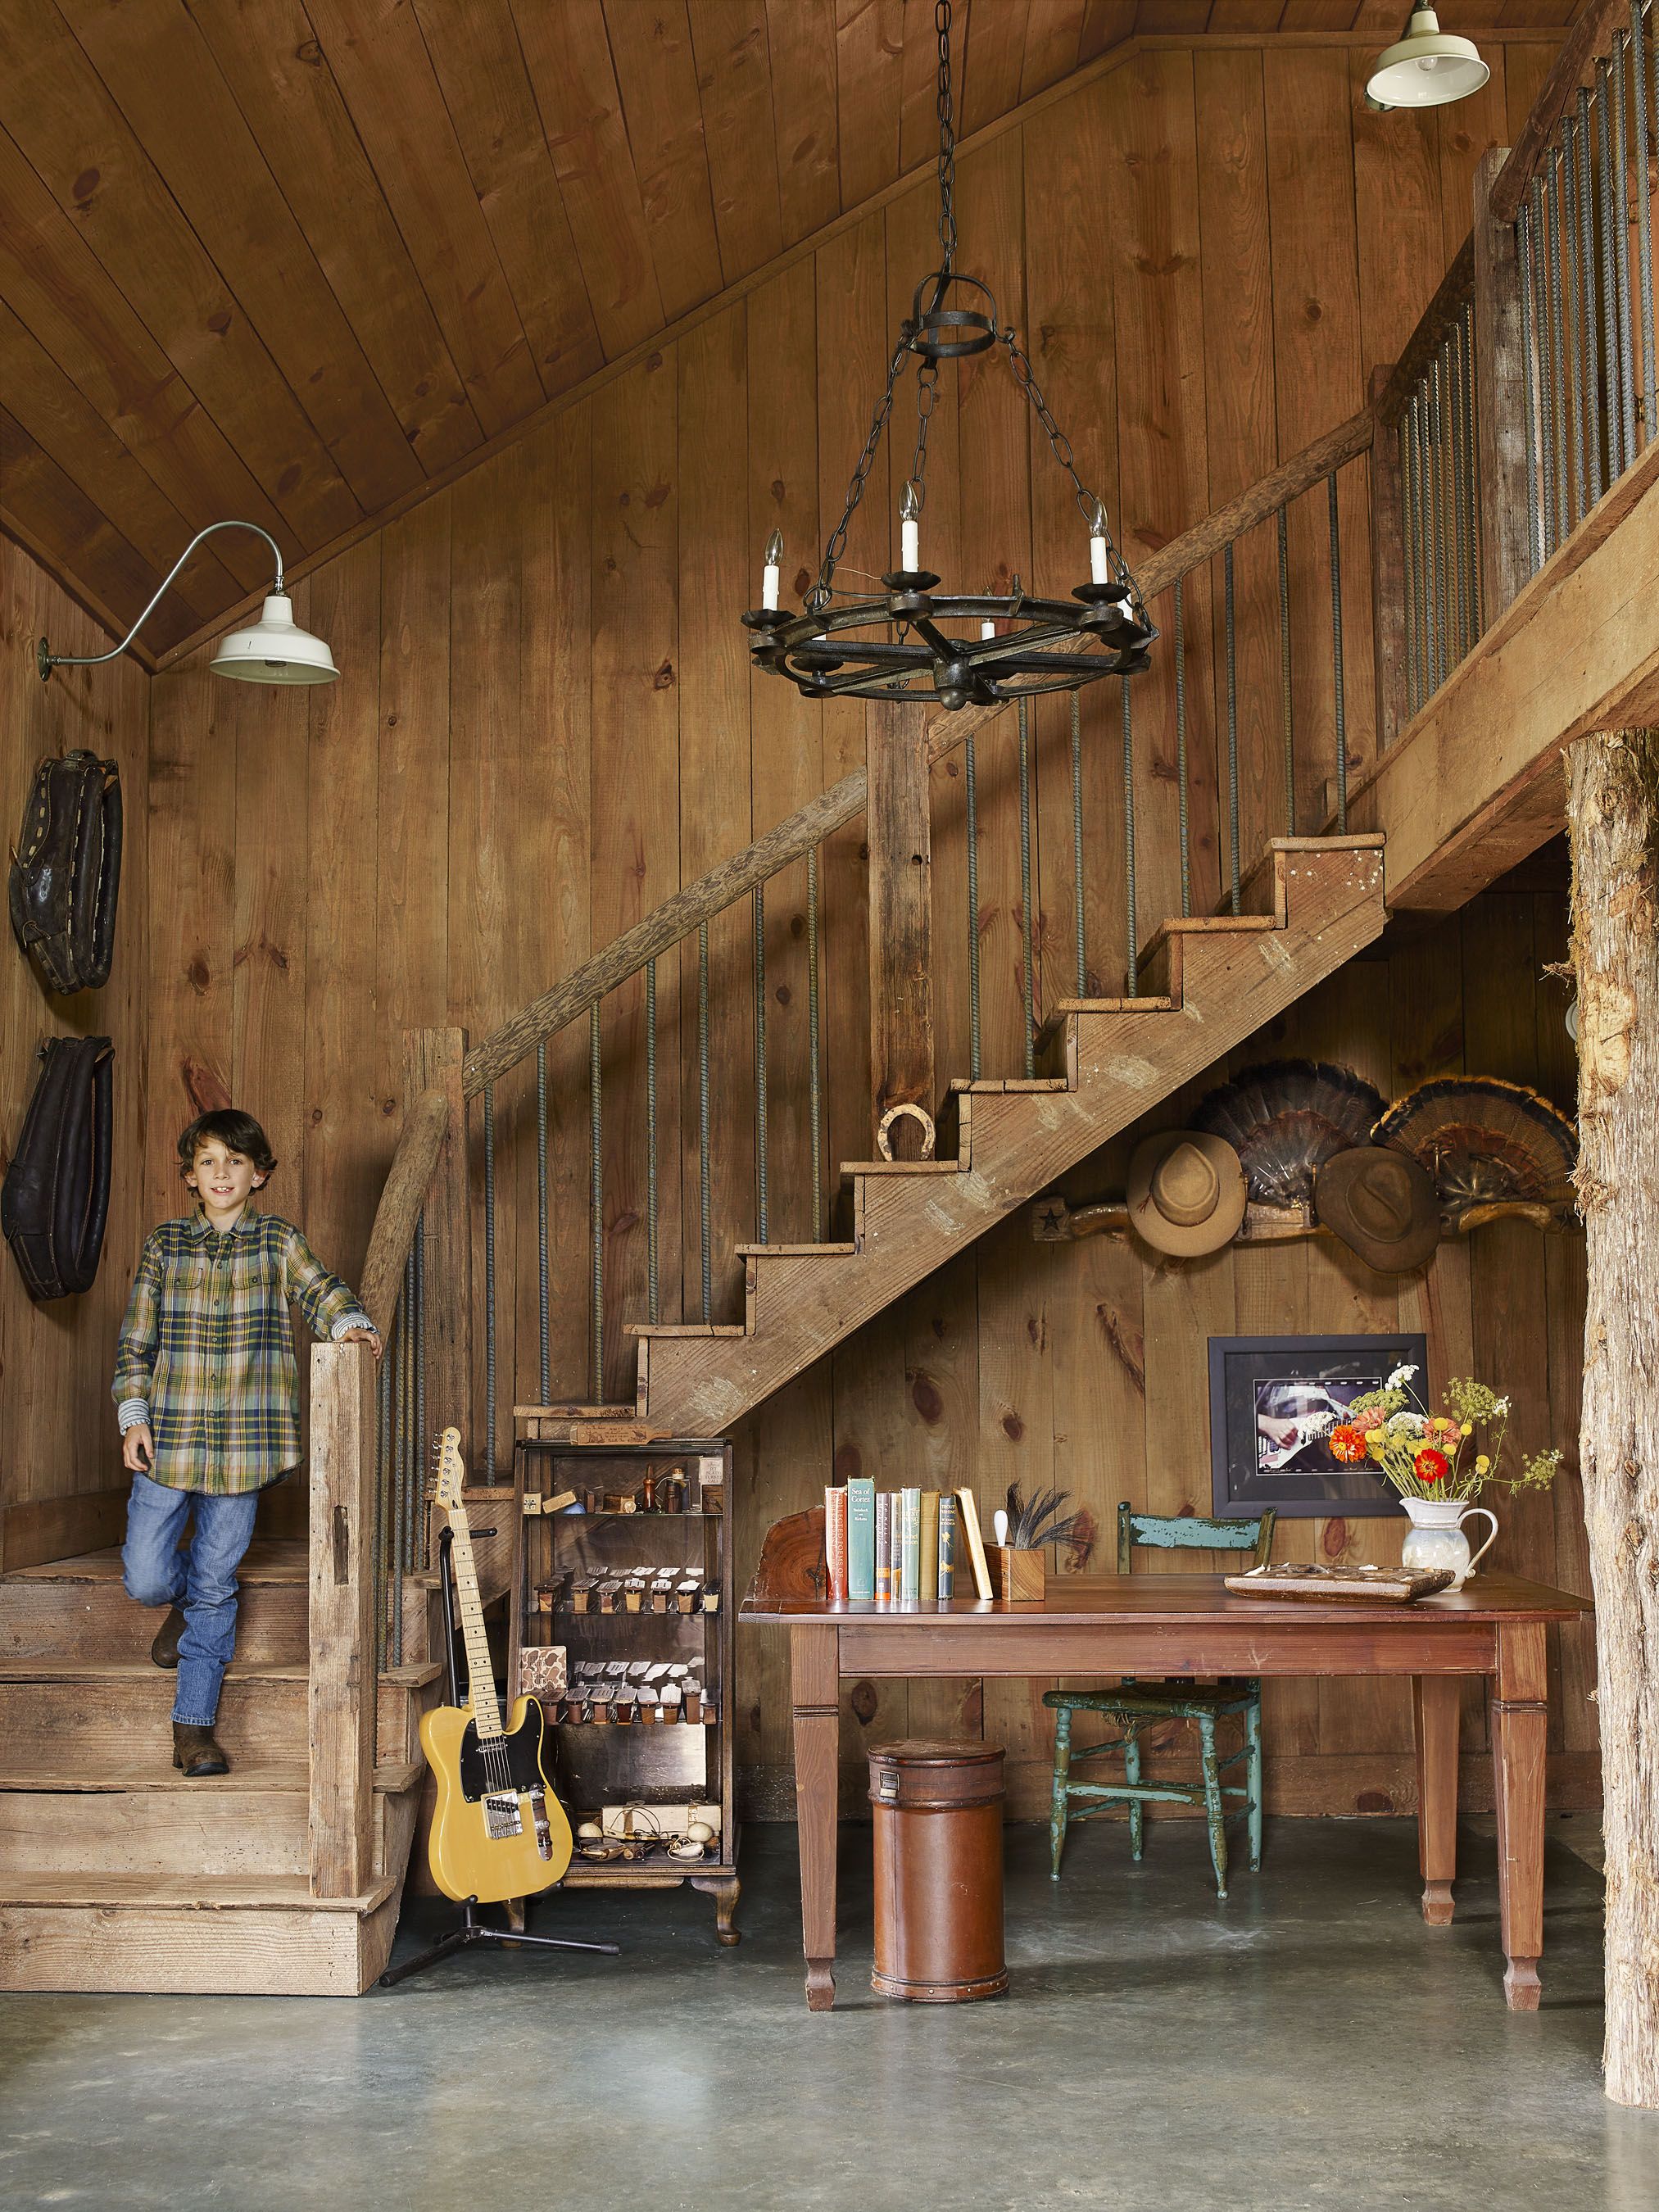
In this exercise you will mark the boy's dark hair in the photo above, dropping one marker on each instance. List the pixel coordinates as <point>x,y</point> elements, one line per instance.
<point>236,1131</point>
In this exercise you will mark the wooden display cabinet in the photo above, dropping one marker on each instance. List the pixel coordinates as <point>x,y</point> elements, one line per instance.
<point>634,1762</point>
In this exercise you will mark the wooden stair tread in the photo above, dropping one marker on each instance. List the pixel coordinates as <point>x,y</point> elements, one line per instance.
<point>1064,1006</point>
<point>682,1329</point>
<point>851,1168</point>
<point>415,1676</point>
<point>1010,1086</point>
<point>214,1893</point>
<point>793,1251</point>
<point>269,1559</point>
<point>574,1414</point>
<point>48,1669</point>
<point>1358,841</point>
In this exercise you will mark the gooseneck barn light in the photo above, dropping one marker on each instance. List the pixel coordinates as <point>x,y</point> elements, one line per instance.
<point>273,650</point>
<point>909,640</point>
<point>1428,68</point>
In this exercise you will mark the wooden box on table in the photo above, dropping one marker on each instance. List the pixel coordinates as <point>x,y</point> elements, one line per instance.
<point>623,1585</point>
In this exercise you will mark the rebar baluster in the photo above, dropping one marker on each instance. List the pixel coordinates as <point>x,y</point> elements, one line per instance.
<point>1230,637</point>
<point>1451,386</point>
<point>1336,659</point>
<point>1286,704</point>
<point>490,1276</point>
<point>1638,70</point>
<point>543,1323</point>
<point>383,1477</point>
<point>1571,280</point>
<point>760,1059</point>
<point>1463,480</point>
<point>404,1443</point>
<point>1612,327</point>
<point>423,1461</point>
<point>1077,844</point>
<point>1529,389</point>
<point>1546,393</point>
<point>970,793</point>
<point>1436,521</point>
<point>1182,800</point>
<point>1588,301</point>
<point>596,1198</point>
<point>1560,455</point>
<point>1621,254</point>
<point>653,1173</point>
<point>1408,558</point>
<point>1131,965</point>
<point>1425,535</point>
<point>1027,950</point>
<point>1472,475</point>
<point>705,1176</point>
<point>814,1078</point>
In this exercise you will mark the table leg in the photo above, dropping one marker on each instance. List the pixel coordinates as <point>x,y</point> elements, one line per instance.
<point>816,1686</point>
<point>1520,1715</point>
<point>1434,1717</point>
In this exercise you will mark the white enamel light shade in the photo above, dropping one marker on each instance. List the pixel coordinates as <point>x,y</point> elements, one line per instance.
<point>1428,68</point>
<point>275,650</point>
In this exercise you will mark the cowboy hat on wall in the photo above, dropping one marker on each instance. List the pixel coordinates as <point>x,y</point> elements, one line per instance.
<point>1186,1193</point>
<point>1382,1204</point>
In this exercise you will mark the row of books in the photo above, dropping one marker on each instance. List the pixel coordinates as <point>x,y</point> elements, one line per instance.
<point>902,1546</point>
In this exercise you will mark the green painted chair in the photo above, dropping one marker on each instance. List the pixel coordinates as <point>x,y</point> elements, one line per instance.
<point>1135,1706</point>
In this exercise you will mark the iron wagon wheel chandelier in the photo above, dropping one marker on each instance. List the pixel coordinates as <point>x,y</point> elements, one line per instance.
<point>913,642</point>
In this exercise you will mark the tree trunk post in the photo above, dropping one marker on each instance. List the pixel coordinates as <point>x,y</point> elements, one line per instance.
<point>1613,818</point>
<point>898,830</point>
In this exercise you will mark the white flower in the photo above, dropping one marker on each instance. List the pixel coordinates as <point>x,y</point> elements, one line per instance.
<point>1409,1425</point>
<point>1401,1376</point>
<point>1501,1409</point>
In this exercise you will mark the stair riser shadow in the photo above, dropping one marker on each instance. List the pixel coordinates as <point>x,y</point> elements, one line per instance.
<point>44,1725</point>
<point>217,1829</point>
<point>93,1622</point>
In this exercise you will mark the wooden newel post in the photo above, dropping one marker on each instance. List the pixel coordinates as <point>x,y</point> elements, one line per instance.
<point>1613,819</point>
<point>1500,408</point>
<point>342,1596</point>
<point>898,827</point>
<point>432,1061</point>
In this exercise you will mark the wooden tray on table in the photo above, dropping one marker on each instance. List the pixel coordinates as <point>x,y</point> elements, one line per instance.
<point>1380,1585</point>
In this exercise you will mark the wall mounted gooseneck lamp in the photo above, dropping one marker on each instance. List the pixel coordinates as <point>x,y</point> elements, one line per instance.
<point>904,643</point>
<point>273,650</point>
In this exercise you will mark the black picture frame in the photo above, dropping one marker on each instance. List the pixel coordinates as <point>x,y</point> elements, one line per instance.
<point>1259,1383</point>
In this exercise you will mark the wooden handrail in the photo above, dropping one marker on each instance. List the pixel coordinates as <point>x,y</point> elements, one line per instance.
<point>798,833</point>
<point>1580,48</point>
<point>1454,291</point>
<point>399,1209</point>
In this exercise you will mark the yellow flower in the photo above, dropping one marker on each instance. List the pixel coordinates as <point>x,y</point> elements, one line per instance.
<point>1482,1465</point>
<point>1373,1435</point>
<point>1465,1430</point>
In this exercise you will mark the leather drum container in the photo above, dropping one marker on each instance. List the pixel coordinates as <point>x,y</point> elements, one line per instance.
<point>937,1813</point>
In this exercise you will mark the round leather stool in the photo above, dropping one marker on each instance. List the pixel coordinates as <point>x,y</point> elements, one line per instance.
<point>937,1814</point>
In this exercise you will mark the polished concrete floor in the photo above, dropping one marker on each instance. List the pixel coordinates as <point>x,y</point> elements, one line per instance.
<point>1309,2044</point>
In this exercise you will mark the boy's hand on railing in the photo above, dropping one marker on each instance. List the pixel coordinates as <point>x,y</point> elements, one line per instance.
<point>138,1448</point>
<point>367,1336</point>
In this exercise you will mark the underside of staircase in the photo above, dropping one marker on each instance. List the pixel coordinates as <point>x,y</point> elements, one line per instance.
<point>1104,1063</point>
<point>115,1873</point>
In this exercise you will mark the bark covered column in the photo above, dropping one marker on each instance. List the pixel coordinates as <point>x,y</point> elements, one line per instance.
<point>1613,816</point>
<point>898,832</point>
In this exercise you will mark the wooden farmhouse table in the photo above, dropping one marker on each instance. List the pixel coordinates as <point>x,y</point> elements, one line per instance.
<point>1188,1624</point>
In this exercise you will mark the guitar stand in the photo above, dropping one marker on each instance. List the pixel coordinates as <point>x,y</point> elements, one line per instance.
<point>472,1929</point>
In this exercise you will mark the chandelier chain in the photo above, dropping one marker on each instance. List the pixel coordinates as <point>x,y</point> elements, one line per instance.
<point>947,140</point>
<point>1061,446</point>
<point>819,597</point>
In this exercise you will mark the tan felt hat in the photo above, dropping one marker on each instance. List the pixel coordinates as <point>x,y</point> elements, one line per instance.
<point>1186,1192</point>
<point>1382,1204</point>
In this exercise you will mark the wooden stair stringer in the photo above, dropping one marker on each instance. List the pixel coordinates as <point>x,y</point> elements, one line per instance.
<point>1224,984</point>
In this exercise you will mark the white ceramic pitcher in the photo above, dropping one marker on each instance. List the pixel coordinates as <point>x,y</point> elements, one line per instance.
<point>1436,1537</point>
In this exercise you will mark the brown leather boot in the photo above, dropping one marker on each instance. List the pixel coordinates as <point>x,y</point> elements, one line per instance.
<point>196,1751</point>
<point>165,1649</point>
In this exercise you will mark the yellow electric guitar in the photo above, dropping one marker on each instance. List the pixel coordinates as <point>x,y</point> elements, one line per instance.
<point>499,1831</point>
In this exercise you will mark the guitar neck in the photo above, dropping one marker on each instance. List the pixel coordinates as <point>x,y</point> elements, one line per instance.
<point>480,1678</point>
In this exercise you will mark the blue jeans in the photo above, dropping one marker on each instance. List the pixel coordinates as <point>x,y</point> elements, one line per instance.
<point>202,1580</point>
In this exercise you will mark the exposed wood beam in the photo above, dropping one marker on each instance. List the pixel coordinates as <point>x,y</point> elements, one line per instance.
<point>1475,783</point>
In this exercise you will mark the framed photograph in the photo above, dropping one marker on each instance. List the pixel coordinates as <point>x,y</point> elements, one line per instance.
<point>1270,1397</point>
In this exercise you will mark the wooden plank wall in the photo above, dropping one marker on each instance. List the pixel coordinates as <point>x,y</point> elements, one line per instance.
<point>62,1489</point>
<point>545,725</point>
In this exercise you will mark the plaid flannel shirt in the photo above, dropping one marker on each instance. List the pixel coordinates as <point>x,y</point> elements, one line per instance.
<point>208,1347</point>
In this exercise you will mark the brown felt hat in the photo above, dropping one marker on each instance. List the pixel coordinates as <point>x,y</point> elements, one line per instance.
<point>1382,1205</point>
<point>1186,1192</point>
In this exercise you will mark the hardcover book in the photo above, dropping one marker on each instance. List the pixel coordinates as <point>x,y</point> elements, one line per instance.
<point>835,1543</point>
<point>861,1541</point>
<point>974,1544</point>
<point>910,1546</point>
<point>929,1545</point>
<point>947,1546</point>
<point>884,1547</point>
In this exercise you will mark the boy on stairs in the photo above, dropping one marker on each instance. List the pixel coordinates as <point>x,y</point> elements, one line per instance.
<point>208,1398</point>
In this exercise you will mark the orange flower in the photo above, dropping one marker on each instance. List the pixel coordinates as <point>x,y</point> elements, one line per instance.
<point>1431,1466</point>
<point>1348,1444</point>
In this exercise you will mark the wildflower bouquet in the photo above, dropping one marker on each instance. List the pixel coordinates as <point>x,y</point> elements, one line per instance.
<point>1437,1456</point>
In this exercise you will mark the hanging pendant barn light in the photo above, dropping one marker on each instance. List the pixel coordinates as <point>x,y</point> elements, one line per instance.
<point>273,650</point>
<point>1428,68</point>
<point>912,641</point>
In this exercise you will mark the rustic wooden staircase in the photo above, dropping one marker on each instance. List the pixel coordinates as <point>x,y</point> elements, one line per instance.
<point>115,1873</point>
<point>1111,1061</point>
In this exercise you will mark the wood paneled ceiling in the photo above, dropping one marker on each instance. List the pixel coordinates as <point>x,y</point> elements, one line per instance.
<point>292,260</point>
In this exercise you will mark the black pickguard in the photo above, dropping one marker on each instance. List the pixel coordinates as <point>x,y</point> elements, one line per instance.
<point>523,1748</point>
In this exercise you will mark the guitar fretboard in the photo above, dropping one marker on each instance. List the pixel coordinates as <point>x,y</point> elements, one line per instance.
<point>480,1679</point>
